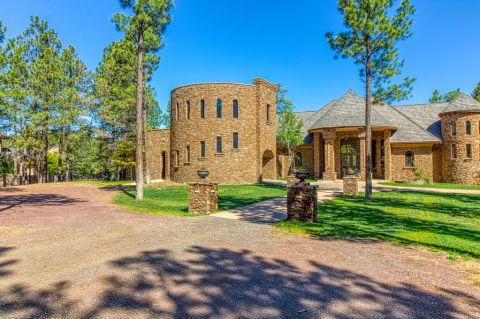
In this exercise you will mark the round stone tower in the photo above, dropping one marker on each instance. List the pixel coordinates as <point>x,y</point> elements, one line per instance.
<point>227,128</point>
<point>461,135</point>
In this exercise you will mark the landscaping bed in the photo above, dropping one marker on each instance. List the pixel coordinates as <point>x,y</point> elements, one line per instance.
<point>174,200</point>
<point>445,222</point>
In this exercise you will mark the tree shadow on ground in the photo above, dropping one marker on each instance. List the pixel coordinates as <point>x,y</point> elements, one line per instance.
<point>6,264</point>
<point>11,201</point>
<point>215,283</point>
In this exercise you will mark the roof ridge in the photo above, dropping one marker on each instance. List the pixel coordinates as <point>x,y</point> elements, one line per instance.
<point>415,123</point>
<point>420,104</point>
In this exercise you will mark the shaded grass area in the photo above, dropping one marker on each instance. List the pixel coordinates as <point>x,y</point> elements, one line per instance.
<point>174,200</point>
<point>446,222</point>
<point>433,185</point>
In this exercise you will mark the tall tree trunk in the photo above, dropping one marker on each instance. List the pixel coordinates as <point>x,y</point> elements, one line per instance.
<point>368,133</point>
<point>139,124</point>
<point>45,150</point>
<point>145,143</point>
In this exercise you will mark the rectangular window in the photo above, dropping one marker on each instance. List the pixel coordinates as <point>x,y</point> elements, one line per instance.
<point>219,145</point>
<point>177,158</point>
<point>187,154</point>
<point>469,150</point>
<point>177,112</point>
<point>235,109</point>
<point>268,113</point>
<point>468,127</point>
<point>235,140</point>
<point>454,129</point>
<point>219,109</point>
<point>202,149</point>
<point>202,109</point>
<point>454,151</point>
<point>188,110</point>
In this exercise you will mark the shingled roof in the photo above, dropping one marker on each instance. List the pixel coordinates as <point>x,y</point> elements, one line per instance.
<point>409,125</point>
<point>463,103</point>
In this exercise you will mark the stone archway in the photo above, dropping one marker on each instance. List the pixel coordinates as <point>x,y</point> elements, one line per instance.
<point>268,165</point>
<point>350,156</point>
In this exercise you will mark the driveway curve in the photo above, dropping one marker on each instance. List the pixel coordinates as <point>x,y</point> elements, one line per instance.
<point>67,252</point>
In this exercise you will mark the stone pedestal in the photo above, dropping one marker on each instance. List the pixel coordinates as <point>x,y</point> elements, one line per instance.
<point>202,197</point>
<point>350,186</point>
<point>291,179</point>
<point>302,202</point>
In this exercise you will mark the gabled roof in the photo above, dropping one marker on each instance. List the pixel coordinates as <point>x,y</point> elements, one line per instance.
<point>463,103</point>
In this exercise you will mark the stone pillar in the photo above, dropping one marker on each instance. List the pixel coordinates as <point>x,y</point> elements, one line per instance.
<point>202,197</point>
<point>329,173</point>
<point>350,186</point>
<point>363,150</point>
<point>388,155</point>
<point>302,202</point>
<point>316,155</point>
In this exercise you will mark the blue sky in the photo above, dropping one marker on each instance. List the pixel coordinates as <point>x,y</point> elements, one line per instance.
<point>280,40</point>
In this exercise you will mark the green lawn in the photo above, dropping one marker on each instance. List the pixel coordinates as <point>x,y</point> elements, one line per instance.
<point>447,222</point>
<point>174,200</point>
<point>433,185</point>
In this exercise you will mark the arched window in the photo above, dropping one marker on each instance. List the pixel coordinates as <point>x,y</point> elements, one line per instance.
<point>298,159</point>
<point>219,109</point>
<point>409,158</point>
<point>468,127</point>
<point>188,110</point>
<point>235,109</point>
<point>202,109</point>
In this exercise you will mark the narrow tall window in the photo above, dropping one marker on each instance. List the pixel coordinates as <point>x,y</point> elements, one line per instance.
<point>235,140</point>
<point>202,109</point>
<point>202,149</point>
<point>454,151</point>
<point>177,158</point>
<point>177,112</point>
<point>187,154</point>
<point>268,113</point>
<point>454,129</point>
<point>409,159</point>
<point>188,110</point>
<point>219,109</point>
<point>468,127</point>
<point>469,151</point>
<point>235,109</point>
<point>219,145</point>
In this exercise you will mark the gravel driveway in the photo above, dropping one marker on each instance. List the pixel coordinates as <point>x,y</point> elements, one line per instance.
<point>65,251</point>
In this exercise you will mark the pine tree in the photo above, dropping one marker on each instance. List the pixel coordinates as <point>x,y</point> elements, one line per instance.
<point>145,28</point>
<point>370,40</point>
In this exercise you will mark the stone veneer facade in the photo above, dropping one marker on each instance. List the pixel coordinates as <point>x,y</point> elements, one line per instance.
<point>255,157</point>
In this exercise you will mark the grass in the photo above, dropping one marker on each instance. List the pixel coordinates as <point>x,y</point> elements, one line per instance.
<point>174,200</point>
<point>98,182</point>
<point>445,222</point>
<point>433,185</point>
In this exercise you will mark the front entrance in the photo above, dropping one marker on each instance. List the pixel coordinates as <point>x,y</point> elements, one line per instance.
<point>350,156</point>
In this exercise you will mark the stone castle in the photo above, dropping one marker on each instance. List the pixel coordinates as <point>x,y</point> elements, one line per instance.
<point>230,129</point>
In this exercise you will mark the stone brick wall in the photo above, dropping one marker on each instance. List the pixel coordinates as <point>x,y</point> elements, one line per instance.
<point>256,155</point>
<point>423,160</point>
<point>158,142</point>
<point>285,161</point>
<point>461,169</point>
<point>202,197</point>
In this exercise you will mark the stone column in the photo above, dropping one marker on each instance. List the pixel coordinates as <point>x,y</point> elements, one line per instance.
<point>302,202</point>
<point>350,186</point>
<point>202,197</point>
<point>316,155</point>
<point>363,150</point>
<point>388,155</point>
<point>329,174</point>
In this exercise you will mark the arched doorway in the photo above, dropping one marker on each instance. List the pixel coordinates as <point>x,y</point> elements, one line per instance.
<point>350,156</point>
<point>268,165</point>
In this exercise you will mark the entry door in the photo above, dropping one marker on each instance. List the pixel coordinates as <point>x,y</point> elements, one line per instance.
<point>350,156</point>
